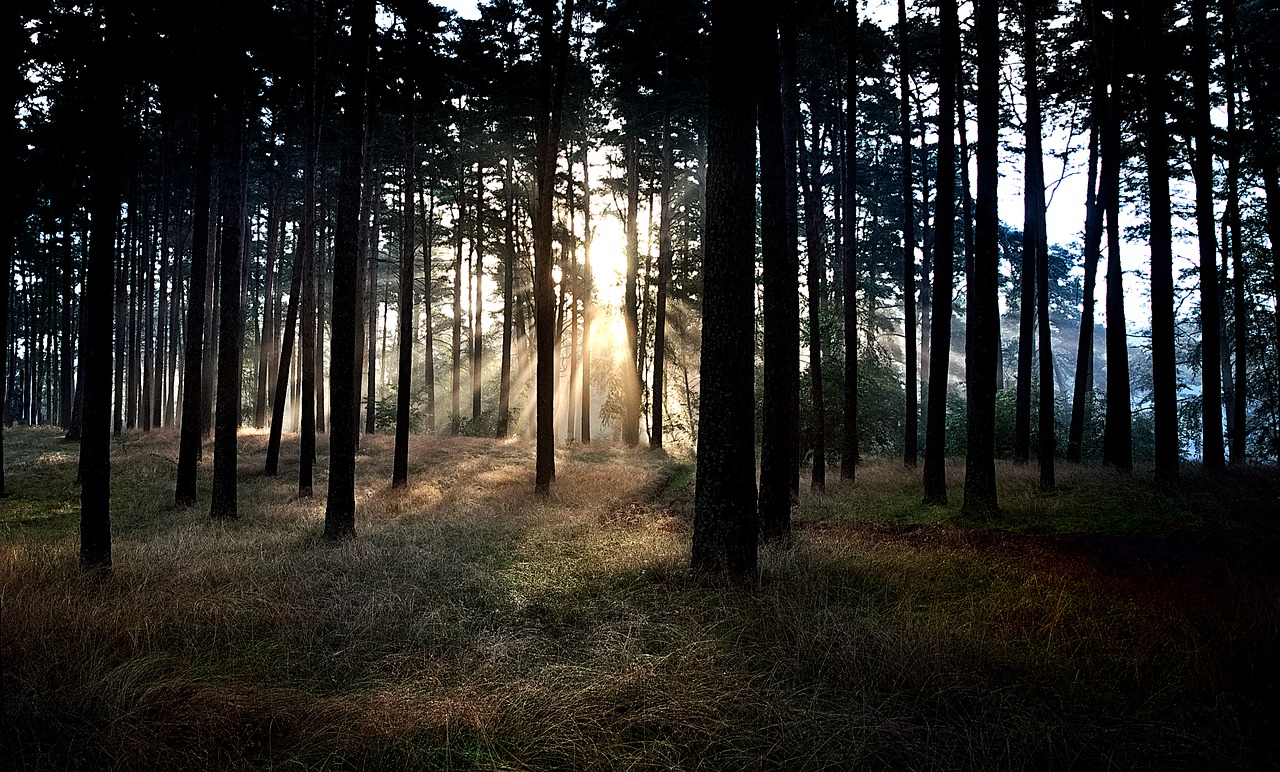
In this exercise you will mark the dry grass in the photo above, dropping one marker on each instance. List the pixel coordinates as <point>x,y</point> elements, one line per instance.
<point>474,626</point>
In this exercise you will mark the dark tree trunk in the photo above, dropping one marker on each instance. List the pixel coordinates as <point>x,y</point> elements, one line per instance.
<point>371,311</point>
<point>306,271</point>
<point>551,88</point>
<point>455,414</point>
<point>725,525</point>
<point>911,427</point>
<point>1212,450</point>
<point>588,308</point>
<point>1036,224</point>
<point>282,369</point>
<point>849,443</point>
<point>404,381</point>
<point>1163,356</point>
<point>781,277</point>
<point>791,138</point>
<point>983,341</point>
<point>1082,393</point>
<point>95,351</point>
<point>631,386</point>
<point>664,276</point>
<point>1239,430</point>
<point>1117,442</point>
<point>477,300</point>
<point>429,337</point>
<point>811,179</point>
<point>508,290</point>
<point>193,358</point>
<point>267,340</point>
<point>230,319</point>
<point>340,509</point>
<point>935,444</point>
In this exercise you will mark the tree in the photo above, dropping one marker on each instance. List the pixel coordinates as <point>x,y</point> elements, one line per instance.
<point>781,323</point>
<point>404,381</point>
<point>231,199</point>
<point>1035,225</point>
<point>935,469</point>
<point>106,116</point>
<point>849,442</point>
<point>982,344</point>
<point>725,526</point>
<point>911,409</point>
<point>1212,451</point>
<point>1117,445</point>
<point>193,359</point>
<point>340,509</point>
<point>554,53</point>
<point>1163,356</point>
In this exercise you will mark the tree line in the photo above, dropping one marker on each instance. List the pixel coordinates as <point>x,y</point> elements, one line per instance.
<point>296,216</point>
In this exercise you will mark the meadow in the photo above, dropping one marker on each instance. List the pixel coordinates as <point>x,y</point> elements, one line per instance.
<point>1114,623</point>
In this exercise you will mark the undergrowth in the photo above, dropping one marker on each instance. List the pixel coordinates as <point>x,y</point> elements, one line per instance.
<point>471,625</point>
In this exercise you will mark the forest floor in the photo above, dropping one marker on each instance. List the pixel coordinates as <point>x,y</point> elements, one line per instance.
<point>1114,623</point>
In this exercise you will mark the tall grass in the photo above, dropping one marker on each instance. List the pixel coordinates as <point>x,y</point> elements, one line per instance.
<point>473,626</point>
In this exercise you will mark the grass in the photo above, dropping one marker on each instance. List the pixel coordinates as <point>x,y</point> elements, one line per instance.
<point>1114,623</point>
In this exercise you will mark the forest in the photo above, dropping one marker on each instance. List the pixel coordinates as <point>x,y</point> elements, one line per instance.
<point>646,384</point>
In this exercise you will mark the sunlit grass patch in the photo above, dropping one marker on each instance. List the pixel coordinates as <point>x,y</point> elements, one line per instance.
<point>474,625</point>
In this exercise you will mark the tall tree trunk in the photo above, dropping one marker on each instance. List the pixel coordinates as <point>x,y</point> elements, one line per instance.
<point>551,87</point>
<point>1036,224</point>
<point>193,358</point>
<point>588,307</point>
<point>477,300</point>
<point>983,339</point>
<point>230,318</point>
<point>307,290</point>
<point>1082,393</point>
<point>911,409</point>
<point>508,288</point>
<point>935,444</point>
<point>371,311</point>
<point>664,276</point>
<point>778,448</point>
<point>268,337</point>
<point>340,509</point>
<point>791,139</point>
<point>810,183</point>
<point>455,415</point>
<point>95,351</point>
<point>404,381</point>
<point>283,381</point>
<point>1117,443</point>
<point>631,386</point>
<point>1163,356</point>
<point>1239,429</point>
<point>428,343</point>
<point>1212,451</point>
<point>725,526</point>
<point>849,442</point>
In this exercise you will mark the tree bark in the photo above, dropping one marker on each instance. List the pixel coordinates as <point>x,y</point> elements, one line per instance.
<point>552,79</point>
<point>230,318</point>
<point>849,442</point>
<point>1117,443</point>
<point>725,525</point>
<point>193,359</point>
<point>106,103</point>
<point>982,343</point>
<point>404,381</point>
<point>664,276</point>
<point>935,457</point>
<point>1163,356</point>
<point>911,428</point>
<point>340,509</point>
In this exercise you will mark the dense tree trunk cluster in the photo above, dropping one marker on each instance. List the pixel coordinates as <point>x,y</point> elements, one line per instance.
<point>578,182</point>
